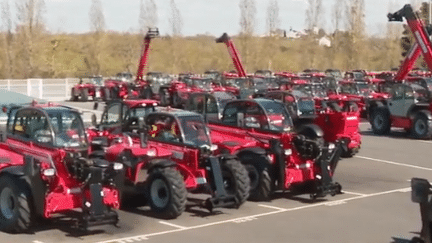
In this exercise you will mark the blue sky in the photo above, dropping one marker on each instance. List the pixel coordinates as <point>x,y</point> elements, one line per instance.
<point>200,16</point>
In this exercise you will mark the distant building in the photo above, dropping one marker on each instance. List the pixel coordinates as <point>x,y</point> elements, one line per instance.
<point>324,41</point>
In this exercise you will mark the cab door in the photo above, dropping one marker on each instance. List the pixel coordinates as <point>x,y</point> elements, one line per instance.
<point>211,109</point>
<point>397,101</point>
<point>113,117</point>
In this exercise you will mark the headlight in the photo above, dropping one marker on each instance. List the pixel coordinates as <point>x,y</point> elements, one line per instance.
<point>331,146</point>
<point>213,147</point>
<point>288,152</point>
<point>118,166</point>
<point>49,172</point>
<point>151,152</point>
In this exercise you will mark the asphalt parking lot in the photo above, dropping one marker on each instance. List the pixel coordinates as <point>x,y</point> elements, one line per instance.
<point>375,207</point>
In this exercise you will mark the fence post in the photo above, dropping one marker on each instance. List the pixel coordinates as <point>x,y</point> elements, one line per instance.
<point>66,88</point>
<point>40,89</point>
<point>28,87</point>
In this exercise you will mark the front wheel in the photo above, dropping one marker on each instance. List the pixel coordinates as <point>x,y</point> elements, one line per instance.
<point>236,180</point>
<point>420,127</point>
<point>380,121</point>
<point>84,95</point>
<point>15,205</point>
<point>167,192</point>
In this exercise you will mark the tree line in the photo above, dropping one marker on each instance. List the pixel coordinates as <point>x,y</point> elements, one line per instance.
<point>28,50</point>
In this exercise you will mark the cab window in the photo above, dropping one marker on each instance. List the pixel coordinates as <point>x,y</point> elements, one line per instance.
<point>112,115</point>
<point>398,92</point>
<point>212,105</point>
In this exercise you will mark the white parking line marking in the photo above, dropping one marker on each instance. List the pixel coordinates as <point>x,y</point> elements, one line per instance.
<point>335,203</point>
<point>251,217</point>
<point>394,163</point>
<point>36,241</point>
<point>423,141</point>
<point>269,206</point>
<point>172,225</point>
<point>354,193</point>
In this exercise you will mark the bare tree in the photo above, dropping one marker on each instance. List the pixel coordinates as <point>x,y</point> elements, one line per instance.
<point>97,25</point>
<point>338,7</point>
<point>355,20</point>
<point>247,16</point>
<point>97,18</point>
<point>148,17</point>
<point>8,37</point>
<point>314,14</point>
<point>30,27</point>
<point>176,20</point>
<point>273,20</point>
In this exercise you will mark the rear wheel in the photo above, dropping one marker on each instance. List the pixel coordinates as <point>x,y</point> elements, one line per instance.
<point>420,127</point>
<point>236,180</point>
<point>259,171</point>
<point>84,95</point>
<point>163,98</point>
<point>176,101</point>
<point>15,205</point>
<point>106,95</point>
<point>74,95</point>
<point>380,121</point>
<point>167,192</point>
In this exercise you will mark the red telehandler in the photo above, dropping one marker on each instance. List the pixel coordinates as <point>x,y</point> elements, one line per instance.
<point>410,105</point>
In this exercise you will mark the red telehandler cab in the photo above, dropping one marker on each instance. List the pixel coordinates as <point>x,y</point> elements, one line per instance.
<point>172,151</point>
<point>46,172</point>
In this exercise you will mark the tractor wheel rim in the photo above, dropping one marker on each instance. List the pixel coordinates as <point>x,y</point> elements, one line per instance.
<point>228,181</point>
<point>7,203</point>
<point>420,127</point>
<point>253,176</point>
<point>159,193</point>
<point>378,121</point>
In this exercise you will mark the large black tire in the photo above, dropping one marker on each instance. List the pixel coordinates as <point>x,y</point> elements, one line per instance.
<point>176,101</point>
<point>380,121</point>
<point>84,95</point>
<point>420,127</point>
<point>166,192</point>
<point>15,205</point>
<point>146,93</point>
<point>164,101</point>
<point>236,180</point>
<point>106,94</point>
<point>74,95</point>
<point>260,176</point>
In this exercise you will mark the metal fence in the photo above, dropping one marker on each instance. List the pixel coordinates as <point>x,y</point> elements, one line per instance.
<point>47,89</point>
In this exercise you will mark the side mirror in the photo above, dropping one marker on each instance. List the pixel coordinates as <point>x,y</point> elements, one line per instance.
<point>94,120</point>
<point>240,119</point>
<point>2,136</point>
<point>420,190</point>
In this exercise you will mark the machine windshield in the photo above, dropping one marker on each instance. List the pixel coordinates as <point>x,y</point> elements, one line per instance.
<point>279,119</point>
<point>195,131</point>
<point>68,129</point>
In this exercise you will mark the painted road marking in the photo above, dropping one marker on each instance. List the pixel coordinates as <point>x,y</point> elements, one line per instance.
<point>423,141</point>
<point>269,206</point>
<point>335,203</point>
<point>394,163</point>
<point>172,225</point>
<point>354,193</point>
<point>146,236</point>
<point>245,219</point>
